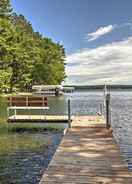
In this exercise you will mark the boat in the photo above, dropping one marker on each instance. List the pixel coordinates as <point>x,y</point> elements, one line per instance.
<point>56,90</point>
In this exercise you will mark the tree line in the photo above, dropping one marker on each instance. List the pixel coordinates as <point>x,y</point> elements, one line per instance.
<point>26,57</point>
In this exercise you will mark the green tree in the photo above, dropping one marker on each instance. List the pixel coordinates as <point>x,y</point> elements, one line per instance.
<point>50,68</point>
<point>6,32</point>
<point>46,57</point>
<point>12,52</point>
<point>4,80</point>
<point>26,57</point>
<point>5,8</point>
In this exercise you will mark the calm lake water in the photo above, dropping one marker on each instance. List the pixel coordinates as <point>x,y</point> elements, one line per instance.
<point>88,102</point>
<point>20,163</point>
<point>24,157</point>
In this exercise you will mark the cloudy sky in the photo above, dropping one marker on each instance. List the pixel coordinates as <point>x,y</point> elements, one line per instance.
<point>97,35</point>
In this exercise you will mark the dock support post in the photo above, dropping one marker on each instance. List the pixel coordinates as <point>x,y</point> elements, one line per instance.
<point>69,113</point>
<point>101,109</point>
<point>15,112</point>
<point>108,112</point>
<point>57,92</point>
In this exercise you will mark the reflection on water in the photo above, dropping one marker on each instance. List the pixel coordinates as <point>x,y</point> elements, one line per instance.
<point>122,123</point>
<point>82,103</point>
<point>20,162</point>
<point>23,157</point>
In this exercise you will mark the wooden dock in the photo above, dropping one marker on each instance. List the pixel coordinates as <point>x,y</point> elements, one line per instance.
<point>29,103</point>
<point>38,118</point>
<point>87,154</point>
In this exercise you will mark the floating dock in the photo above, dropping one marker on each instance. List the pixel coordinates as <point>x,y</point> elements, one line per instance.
<point>87,154</point>
<point>29,103</point>
<point>38,118</point>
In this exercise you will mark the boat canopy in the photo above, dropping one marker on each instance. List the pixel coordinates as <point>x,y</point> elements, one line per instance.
<point>47,87</point>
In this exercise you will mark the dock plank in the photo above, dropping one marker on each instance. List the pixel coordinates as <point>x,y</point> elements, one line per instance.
<point>88,154</point>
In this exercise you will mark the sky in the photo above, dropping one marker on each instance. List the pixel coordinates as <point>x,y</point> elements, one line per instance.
<point>97,36</point>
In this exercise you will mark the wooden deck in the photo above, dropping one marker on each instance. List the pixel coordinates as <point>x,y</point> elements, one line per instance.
<point>87,154</point>
<point>37,118</point>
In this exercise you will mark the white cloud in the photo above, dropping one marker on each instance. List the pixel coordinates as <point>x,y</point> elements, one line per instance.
<point>100,32</point>
<point>106,29</point>
<point>111,62</point>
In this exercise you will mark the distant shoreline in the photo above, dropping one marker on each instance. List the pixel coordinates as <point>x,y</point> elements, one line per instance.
<point>100,87</point>
<point>78,88</point>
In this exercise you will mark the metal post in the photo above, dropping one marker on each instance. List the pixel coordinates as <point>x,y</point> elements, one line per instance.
<point>15,113</point>
<point>109,88</point>
<point>108,113</point>
<point>101,109</point>
<point>69,113</point>
<point>105,90</point>
<point>105,93</point>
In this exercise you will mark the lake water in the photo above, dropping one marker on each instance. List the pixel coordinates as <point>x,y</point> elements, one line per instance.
<point>88,103</point>
<point>24,157</point>
<point>22,164</point>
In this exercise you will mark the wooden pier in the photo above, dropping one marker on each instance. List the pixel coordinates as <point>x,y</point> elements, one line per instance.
<point>87,154</point>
